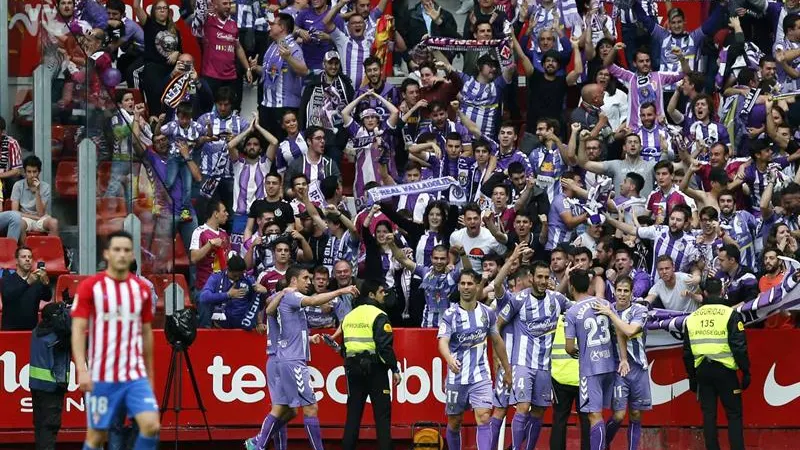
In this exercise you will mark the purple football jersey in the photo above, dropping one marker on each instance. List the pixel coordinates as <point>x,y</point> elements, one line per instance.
<point>595,340</point>
<point>292,329</point>
<point>468,332</point>
<point>636,314</point>
<point>534,321</point>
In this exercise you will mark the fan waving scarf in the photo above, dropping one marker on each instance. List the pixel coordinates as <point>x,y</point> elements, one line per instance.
<point>501,46</point>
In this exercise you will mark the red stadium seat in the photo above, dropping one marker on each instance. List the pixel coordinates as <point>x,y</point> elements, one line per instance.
<point>111,212</point>
<point>162,281</point>
<point>162,259</point>
<point>7,248</point>
<point>50,250</point>
<point>67,179</point>
<point>69,282</point>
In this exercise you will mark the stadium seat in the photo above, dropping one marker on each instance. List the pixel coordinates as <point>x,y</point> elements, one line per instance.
<point>111,212</point>
<point>69,282</point>
<point>50,250</point>
<point>7,248</point>
<point>67,179</point>
<point>162,281</point>
<point>162,260</point>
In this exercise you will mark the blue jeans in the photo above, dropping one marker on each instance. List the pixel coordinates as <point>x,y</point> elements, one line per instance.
<point>12,222</point>
<point>177,167</point>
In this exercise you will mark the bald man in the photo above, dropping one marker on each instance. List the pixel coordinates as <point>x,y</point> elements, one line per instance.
<point>589,115</point>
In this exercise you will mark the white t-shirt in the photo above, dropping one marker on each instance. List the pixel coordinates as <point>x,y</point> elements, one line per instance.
<point>478,247</point>
<point>672,298</point>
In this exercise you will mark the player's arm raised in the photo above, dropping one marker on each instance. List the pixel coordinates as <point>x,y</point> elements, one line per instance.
<point>321,299</point>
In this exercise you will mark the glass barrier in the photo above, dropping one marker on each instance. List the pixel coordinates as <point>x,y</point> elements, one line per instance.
<point>97,119</point>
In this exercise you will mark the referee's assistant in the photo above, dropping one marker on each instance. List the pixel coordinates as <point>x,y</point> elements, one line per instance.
<point>714,348</point>
<point>368,354</point>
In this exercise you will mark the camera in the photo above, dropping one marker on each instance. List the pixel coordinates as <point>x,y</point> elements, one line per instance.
<point>40,265</point>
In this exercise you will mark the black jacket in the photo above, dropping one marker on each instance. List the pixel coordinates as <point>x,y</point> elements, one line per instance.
<point>21,302</point>
<point>416,27</point>
<point>314,81</point>
<point>736,340</point>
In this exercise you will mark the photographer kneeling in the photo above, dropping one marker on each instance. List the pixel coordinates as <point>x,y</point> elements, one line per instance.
<point>234,296</point>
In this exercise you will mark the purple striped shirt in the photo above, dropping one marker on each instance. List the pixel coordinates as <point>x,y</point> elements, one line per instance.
<point>480,102</point>
<point>681,247</point>
<point>354,51</point>
<point>654,141</point>
<point>468,332</point>
<point>249,185</point>
<point>534,321</point>
<point>282,86</point>
<point>643,89</point>
<point>290,149</point>
<point>635,314</point>
<point>437,288</point>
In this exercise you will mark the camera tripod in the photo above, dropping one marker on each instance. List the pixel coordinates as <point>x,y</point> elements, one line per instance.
<point>174,377</point>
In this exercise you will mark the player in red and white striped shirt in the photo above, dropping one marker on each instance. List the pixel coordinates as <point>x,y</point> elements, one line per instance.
<point>115,306</point>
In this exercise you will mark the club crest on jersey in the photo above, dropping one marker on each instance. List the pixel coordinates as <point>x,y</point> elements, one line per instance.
<point>680,246</point>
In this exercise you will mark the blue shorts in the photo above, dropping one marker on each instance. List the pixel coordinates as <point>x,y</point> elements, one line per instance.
<point>632,390</point>
<point>107,400</point>
<point>532,386</point>
<point>502,393</point>
<point>294,385</point>
<point>461,397</point>
<point>595,392</point>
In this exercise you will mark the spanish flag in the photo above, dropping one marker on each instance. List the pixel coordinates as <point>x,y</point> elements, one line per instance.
<point>383,45</point>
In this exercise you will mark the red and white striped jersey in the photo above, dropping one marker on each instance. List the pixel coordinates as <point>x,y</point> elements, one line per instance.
<point>116,311</point>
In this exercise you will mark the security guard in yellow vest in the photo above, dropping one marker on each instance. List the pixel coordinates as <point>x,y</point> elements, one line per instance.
<point>714,348</point>
<point>368,353</point>
<point>564,372</point>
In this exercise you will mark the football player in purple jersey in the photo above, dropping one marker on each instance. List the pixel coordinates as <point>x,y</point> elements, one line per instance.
<point>632,383</point>
<point>464,330</point>
<point>595,350</point>
<point>292,354</point>
<point>533,315</point>
<point>517,279</point>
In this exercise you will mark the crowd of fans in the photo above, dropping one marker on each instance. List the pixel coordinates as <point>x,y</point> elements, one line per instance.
<point>694,131</point>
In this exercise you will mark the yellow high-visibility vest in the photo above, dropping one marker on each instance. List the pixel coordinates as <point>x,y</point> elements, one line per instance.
<point>563,367</point>
<point>708,335</point>
<point>357,330</point>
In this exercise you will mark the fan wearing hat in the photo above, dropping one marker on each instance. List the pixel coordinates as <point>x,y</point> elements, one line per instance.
<point>363,135</point>
<point>355,45</point>
<point>481,95</point>
<point>324,96</point>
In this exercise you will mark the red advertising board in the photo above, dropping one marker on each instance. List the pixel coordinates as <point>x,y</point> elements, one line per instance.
<point>230,371</point>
